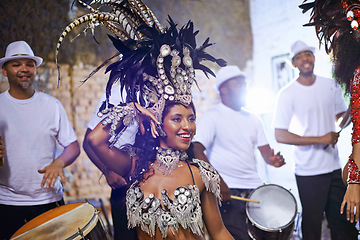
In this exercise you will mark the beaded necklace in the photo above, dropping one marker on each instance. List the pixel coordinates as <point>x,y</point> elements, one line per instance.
<point>168,159</point>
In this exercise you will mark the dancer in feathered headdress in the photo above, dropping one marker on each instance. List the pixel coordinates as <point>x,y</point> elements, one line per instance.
<point>337,27</point>
<point>171,192</point>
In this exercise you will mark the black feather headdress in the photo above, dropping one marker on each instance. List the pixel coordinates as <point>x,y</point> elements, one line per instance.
<point>337,27</point>
<point>147,80</point>
<point>157,64</point>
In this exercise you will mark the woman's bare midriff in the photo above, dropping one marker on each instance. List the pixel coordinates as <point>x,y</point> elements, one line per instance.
<point>181,234</point>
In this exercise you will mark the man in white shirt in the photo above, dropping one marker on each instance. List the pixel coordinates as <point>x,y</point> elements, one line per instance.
<point>230,135</point>
<point>31,123</point>
<point>305,116</point>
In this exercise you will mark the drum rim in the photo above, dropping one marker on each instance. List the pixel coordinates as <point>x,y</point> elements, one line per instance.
<point>95,215</point>
<point>85,229</point>
<point>253,222</point>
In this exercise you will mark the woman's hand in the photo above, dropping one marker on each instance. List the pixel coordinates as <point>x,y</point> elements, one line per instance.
<point>114,180</point>
<point>352,202</point>
<point>145,114</point>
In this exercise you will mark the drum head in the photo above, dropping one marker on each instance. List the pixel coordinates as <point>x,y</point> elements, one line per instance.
<point>276,210</point>
<point>60,223</point>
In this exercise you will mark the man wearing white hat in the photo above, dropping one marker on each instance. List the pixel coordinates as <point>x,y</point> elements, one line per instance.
<point>311,104</point>
<point>31,123</point>
<point>230,134</point>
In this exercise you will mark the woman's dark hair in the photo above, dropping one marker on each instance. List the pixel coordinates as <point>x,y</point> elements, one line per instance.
<point>146,146</point>
<point>346,58</point>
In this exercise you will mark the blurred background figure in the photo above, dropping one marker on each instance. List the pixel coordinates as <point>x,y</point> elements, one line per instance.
<point>230,135</point>
<point>117,183</point>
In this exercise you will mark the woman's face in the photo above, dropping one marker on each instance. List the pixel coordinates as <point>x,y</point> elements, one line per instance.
<point>179,126</point>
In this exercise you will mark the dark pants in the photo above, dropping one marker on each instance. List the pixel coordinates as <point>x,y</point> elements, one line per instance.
<point>118,212</point>
<point>14,217</point>
<point>233,213</point>
<point>319,194</point>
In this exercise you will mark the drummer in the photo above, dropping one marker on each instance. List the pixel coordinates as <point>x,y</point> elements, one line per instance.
<point>317,165</point>
<point>230,134</point>
<point>31,122</point>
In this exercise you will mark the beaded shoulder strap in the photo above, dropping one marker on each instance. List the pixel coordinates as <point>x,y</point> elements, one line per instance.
<point>210,177</point>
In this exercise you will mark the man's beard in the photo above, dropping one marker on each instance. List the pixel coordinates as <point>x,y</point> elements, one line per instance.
<point>307,74</point>
<point>25,85</point>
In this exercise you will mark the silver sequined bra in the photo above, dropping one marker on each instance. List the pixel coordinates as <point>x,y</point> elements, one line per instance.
<point>184,210</point>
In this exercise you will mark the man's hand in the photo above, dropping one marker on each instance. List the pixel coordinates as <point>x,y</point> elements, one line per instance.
<point>330,138</point>
<point>224,190</point>
<point>2,152</point>
<point>51,172</point>
<point>277,159</point>
<point>2,148</point>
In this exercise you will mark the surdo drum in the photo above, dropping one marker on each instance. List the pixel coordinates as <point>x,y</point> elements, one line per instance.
<point>72,221</point>
<point>273,217</point>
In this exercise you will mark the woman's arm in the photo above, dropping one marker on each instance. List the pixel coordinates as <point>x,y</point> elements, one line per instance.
<point>352,195</point>
<point>114,159</point>
<point>352,198</point>
<point>212,217</point>
<point>113,179</point>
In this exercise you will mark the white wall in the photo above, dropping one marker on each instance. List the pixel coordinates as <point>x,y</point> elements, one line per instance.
<point>276,25</point>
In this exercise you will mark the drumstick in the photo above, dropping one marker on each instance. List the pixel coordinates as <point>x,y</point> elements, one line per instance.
<point>243,199</point>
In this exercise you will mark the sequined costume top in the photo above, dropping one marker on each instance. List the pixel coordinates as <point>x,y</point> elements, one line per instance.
<point>355,105</point>
<point>354,176</point>
<point>183,211</point>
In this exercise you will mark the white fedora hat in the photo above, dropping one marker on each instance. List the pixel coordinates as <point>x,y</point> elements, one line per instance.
<point>227,73</point>
<point>17,50</point>
<point>298,47</point>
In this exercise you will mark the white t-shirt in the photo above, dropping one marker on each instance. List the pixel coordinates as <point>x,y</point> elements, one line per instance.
<point>30,129</point>
<point>128,136</point>
<point>311,111</point>
<point>231,138</point>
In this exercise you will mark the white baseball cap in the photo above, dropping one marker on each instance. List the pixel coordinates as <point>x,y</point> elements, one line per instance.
<point>227,73</point>
<point>17,50</point>
<point>298,47</point>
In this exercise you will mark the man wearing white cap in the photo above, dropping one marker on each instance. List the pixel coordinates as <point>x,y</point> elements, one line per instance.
<point>230,134</point>
<point>311,105</point>
<point>31,123</point>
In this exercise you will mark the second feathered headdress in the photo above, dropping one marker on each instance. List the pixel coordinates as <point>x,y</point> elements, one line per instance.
<point>337,26</point>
